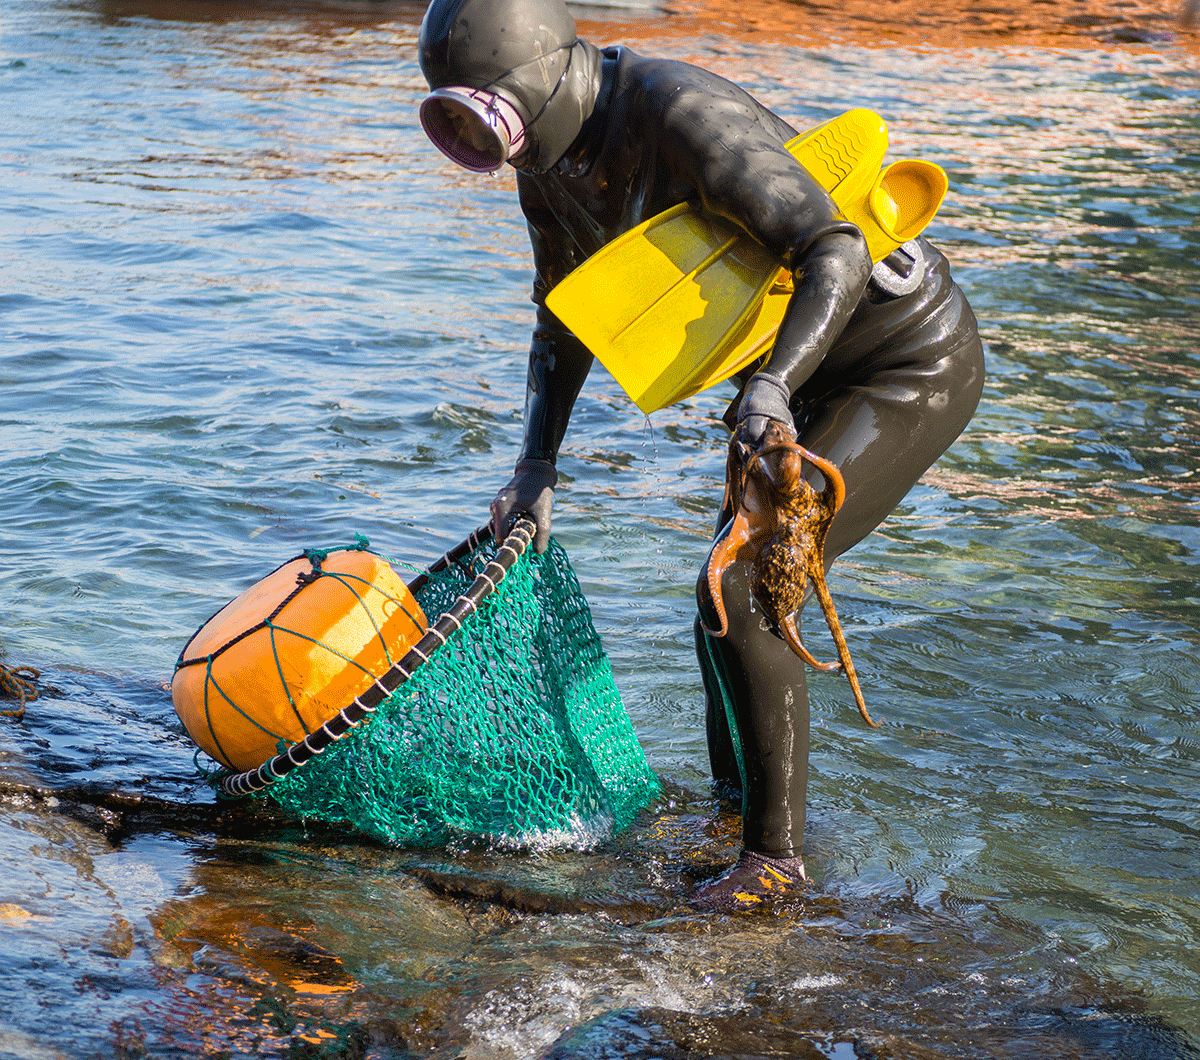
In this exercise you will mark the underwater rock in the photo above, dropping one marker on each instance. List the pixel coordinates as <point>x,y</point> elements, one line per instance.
<point>661,1034</point>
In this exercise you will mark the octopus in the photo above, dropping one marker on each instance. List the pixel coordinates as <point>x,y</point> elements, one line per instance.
<point>779,527</point>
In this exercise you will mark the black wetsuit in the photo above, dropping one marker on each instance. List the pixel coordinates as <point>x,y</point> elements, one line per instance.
<point>880,383</point>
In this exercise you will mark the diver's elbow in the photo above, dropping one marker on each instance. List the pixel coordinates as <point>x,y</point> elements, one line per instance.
<point>839,255</point>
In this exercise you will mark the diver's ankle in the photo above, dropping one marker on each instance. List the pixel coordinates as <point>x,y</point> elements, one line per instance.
<point>789,864</point>
<point>754,879</point>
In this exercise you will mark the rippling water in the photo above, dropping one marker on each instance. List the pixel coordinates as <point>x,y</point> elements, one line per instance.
<point>246,309</point>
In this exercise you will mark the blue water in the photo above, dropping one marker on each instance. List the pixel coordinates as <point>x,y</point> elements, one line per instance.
<point>247,310</point>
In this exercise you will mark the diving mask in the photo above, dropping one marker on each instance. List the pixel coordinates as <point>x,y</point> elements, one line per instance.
<point>479,130</point>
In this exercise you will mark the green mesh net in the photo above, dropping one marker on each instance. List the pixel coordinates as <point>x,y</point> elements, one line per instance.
<point>513,731</point>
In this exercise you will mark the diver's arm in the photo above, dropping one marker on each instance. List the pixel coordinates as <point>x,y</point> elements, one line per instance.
<point>743,172</point>
<point>558,365</point>
<point>558,361</point>
<point>829,281</point>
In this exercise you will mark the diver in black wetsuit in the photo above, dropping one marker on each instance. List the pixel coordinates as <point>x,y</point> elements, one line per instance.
<point>877,369</point>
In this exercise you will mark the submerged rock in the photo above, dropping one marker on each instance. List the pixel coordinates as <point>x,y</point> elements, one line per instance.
<point>660,1034</point>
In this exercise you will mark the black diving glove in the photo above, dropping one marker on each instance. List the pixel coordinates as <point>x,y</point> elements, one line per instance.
<point>765,398</point>
<point>530,490</point>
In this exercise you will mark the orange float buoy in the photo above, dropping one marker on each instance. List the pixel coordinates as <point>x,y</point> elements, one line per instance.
<point>291,652</point>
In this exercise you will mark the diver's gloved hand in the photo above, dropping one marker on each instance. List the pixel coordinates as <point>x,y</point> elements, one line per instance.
<point>531,490</point>
<point>765,398</point>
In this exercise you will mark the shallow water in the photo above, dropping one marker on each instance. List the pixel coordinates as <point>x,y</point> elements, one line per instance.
<point>247,310</point>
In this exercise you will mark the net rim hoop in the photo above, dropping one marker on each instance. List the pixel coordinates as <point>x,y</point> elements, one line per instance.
<point>516,542</point>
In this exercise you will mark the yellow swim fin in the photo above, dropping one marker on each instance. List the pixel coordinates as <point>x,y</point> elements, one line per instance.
<point>903,200</point>
<point>684,301</point>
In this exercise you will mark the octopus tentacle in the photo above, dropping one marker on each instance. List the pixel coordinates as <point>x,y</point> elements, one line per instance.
<point>723,553</point>
<point>790,628</point>
<point>751,524</point>
<point>839,638</point>
<point>834,492</point>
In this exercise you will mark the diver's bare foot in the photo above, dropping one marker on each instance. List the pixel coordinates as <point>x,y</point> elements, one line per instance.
<point>755,879</point>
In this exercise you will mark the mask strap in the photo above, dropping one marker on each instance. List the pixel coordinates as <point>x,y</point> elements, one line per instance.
<point>492,106</point>
<point>562,78</point>
<point>561,81</point>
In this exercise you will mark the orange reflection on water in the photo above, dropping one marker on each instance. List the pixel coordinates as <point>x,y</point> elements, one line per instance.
<point>966,24</point>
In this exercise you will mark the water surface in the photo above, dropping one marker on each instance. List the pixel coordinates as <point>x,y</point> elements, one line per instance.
<point>247,310</point>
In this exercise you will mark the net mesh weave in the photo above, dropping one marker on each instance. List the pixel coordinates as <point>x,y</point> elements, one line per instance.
<point>514,731</point>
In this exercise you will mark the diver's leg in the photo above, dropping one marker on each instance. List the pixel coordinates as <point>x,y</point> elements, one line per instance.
<point>883,427</point>
<point>885,430</point>
<point>722,758</point>
<point>768,697</point>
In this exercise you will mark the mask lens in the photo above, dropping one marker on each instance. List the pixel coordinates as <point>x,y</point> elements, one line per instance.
<point>472,128</point>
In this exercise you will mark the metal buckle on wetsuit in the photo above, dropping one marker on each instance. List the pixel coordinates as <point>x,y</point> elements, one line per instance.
<point>902,271</point>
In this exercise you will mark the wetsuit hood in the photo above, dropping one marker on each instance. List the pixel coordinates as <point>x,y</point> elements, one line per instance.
<point>527,53</point>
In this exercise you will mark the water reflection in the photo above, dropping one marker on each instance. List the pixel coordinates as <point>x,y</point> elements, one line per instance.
<point>324,13</point>
<point>272,943</point>
<point>250,312</point>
